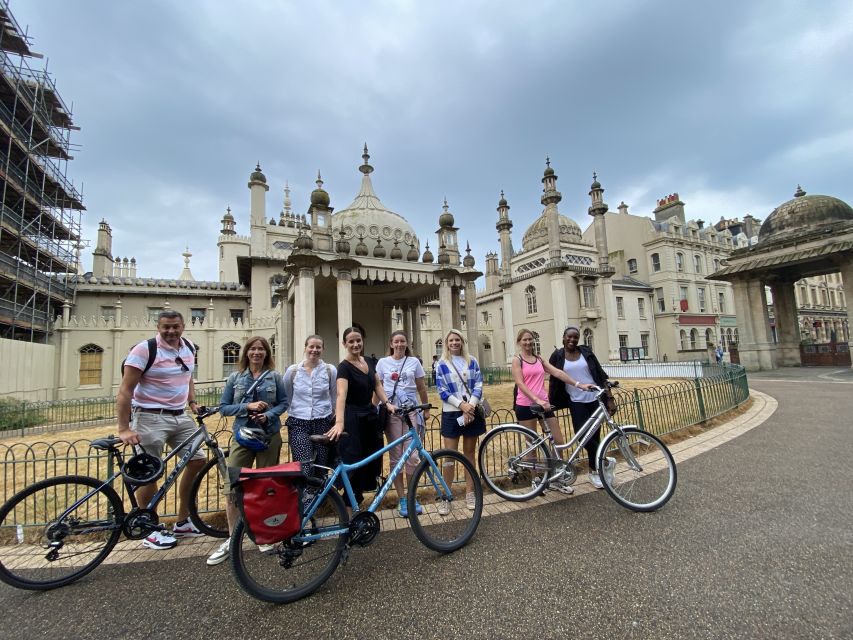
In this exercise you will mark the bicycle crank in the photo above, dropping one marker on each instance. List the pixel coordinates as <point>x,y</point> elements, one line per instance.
<point>363,528</point>
<point>139,523</point>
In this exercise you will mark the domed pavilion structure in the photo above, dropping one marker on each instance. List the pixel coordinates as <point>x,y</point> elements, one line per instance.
<point>808,235</point>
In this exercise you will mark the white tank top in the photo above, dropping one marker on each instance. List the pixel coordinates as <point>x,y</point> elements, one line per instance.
<point>579,370</point>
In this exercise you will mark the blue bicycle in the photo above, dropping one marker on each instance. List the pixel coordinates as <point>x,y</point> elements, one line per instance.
<point>297,567</point>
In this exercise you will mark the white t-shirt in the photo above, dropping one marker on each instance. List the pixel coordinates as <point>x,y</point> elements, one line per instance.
<point>389,369</point>
<point>579,370</point>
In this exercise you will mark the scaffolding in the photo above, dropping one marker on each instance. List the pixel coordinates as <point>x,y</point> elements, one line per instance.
<point>40,208</point>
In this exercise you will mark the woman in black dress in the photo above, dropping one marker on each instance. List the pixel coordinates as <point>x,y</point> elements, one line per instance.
<point>355,413</point>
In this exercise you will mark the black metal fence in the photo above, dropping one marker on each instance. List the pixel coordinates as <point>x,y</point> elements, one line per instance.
<point>660,410</point>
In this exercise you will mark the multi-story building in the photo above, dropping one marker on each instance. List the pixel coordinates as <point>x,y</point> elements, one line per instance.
<point>40,208</point>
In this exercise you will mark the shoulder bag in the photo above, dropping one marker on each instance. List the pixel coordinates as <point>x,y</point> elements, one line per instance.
<point>483,406</point>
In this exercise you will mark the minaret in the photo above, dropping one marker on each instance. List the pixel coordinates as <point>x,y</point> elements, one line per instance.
<point>102,264</point>
<point>504,227</point>
<point>257,212</point>
<point>320,216</point>
<point>228,224</point>
<point>286,209</point>
<point>447,236</point>
<point>597,210</point>
<point>492,273</point>
<point>550,198</point>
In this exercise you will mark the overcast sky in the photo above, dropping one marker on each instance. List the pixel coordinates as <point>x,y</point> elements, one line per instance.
<point>730,104</point>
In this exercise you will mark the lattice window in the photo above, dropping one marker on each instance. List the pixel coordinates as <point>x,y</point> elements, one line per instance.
<point>230,358</point>
<point>91,364</point>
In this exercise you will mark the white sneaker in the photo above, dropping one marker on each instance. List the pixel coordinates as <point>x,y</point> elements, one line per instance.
<point>444,507</point>
<point>266,548</point>
<point>595,481</point>
<point>609,470</point>
<point>160,540</point>
<point>221,554</point>
<point>471,500</point>
<point>562,486</point>
<point>186,529</point>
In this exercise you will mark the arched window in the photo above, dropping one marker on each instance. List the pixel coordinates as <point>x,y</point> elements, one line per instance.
<point>655,262</point>
<point>273,347</point>
<point>679,262</point>
<point>537,346</point>
<point>683,339</point>
<point>632,265</point>
<point>230,358</point>
<point>694,338</point>
<point>709,336</point>
<point>197,356</point>
<point>588,338</point>
<point>439,346</point>
<point>530,296</point>
<point>91,363</point>
<point>735,336</point>
<point>697,263</point>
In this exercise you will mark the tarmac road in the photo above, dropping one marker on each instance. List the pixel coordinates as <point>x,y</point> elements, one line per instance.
<point>756,543</point>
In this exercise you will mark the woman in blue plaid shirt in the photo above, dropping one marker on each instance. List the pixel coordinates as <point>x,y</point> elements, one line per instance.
<point>460,385</point>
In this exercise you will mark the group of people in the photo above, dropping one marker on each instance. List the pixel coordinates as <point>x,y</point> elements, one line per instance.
<point>321,398</point>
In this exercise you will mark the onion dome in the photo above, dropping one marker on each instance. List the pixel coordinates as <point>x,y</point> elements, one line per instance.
<point>379,250</point>
<point>342,246</point>
<point>304,242</point>
<point>502,202</point>
<point>257,176</point>
<point>446,218</point>
<point>319,197</point>
<point>595,183</point>
<point>361,248</point>
<point>396,252</point>
<point>272,221</point>
<point>428,257</point>
<point>412,255</point>
<point>537,233</point>
<point>443,256</point>
<point>548,170</point>
<point>804,214</point>
<point>468,260</point>
<point>228,215</point>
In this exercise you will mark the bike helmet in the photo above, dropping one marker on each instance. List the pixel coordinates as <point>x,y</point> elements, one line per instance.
<point>252,437</point>
<point>142,468</point>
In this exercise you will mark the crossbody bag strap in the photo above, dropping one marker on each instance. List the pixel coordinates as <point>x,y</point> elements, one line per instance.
<point>461,379</point>
<point>394,391</point>
<point>254,386</point>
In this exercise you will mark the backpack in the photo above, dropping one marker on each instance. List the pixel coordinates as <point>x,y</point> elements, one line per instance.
<point>270,500</point>
<point>152,353</point>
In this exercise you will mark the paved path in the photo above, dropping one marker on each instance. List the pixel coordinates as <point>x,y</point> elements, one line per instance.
<point>756,543</point>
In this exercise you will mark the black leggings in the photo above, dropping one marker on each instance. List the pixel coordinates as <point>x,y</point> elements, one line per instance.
<point>301,449</point>
<point>581,411</point>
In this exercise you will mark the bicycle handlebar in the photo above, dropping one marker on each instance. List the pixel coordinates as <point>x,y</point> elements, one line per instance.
<point>206,412</point>
<point>408,408</point>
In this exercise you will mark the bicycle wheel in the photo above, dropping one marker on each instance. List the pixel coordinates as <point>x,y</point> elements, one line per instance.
<point>291,570</point>
<point>43,547</point>
<point>207,502</point>
<point>637,469</point>
<point>515,462</point>
<point>448,521</point>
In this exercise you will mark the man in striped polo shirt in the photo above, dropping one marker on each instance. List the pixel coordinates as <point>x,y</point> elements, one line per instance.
<point>151,411</point>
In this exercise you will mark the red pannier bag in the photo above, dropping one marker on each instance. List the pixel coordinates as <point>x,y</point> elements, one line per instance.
<point>270,501</point>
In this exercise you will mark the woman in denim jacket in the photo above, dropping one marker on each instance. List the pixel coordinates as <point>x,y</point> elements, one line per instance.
<point>264,408</point>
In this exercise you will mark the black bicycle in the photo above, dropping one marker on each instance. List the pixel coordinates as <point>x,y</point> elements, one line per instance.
<point>57,530</point>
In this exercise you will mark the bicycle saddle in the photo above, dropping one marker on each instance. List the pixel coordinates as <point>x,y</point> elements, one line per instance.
<point>104,444</point>
<point>323,439</point>
<point>143,468</point>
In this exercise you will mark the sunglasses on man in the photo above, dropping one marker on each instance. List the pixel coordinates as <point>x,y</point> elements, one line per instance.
<point>181,362</point>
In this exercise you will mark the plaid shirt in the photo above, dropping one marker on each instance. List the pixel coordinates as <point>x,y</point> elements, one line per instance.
<point>452,390</point>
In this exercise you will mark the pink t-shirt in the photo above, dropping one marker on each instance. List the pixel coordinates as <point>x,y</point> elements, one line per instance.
<point>165,385</point>
<point>534,377</point>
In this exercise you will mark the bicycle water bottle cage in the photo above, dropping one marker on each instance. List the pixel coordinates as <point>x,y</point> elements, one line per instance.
<point>142,468</point>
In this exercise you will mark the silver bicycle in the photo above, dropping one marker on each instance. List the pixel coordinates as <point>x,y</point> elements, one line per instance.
<point>636,467</point>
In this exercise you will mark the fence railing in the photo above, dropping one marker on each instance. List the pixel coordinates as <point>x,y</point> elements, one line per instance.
<point>660,410</point>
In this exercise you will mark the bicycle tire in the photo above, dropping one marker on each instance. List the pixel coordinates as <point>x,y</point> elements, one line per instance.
<point>30,518</point>
<point>263,574</point>
<point>210,523</point>
<point>505,464</point>
<point>640,489</point>
<point>454,531</point>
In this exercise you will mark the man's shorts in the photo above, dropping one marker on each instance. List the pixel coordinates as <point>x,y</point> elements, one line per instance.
<point>158,429</point>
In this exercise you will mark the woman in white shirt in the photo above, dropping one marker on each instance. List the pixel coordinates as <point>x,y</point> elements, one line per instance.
<point>402,377</point>
<point>312,391</point>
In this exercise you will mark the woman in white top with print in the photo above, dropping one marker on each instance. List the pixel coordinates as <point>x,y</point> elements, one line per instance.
<point>402,377</point>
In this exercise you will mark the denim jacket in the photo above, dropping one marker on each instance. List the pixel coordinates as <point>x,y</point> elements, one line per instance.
<point>270,390</point>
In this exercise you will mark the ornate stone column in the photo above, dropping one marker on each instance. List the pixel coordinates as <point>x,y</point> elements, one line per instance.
<point>456,311</point>
<point>417,346</point>
<point>305,314</point>
<point>445,305</point>
<point>407,324</point>
<point>471,319</point>
<point>787,328</point>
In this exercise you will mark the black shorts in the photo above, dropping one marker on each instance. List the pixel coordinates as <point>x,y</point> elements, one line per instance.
<point>450,427</point>
<point>524,413</point>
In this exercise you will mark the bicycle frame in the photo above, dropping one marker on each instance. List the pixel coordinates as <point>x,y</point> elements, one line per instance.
<point>341,471</point>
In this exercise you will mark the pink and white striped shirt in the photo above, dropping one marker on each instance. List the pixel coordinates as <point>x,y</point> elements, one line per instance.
<point>165,385</point>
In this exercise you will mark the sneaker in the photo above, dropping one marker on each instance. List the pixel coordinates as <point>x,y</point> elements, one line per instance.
<point>266,548</point>
<point>444,507</point>
<point>562,486</point>
<point>609,470</point>
<point>221,554</point>
<point>160,540</point>
<point>404,509</point>
<point>536,482</point>
<point>594,480</point>
<point>186,529</point>
<point>419,509</point>
<point>471,500</point>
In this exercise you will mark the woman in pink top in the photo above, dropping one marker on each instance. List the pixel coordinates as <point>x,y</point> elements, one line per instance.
<point>528,371</point>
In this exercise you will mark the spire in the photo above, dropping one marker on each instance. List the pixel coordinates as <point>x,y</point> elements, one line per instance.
<point>186,274</point>
<point>799,193</point>
<point>287,202</point>
<point>365,168</point>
